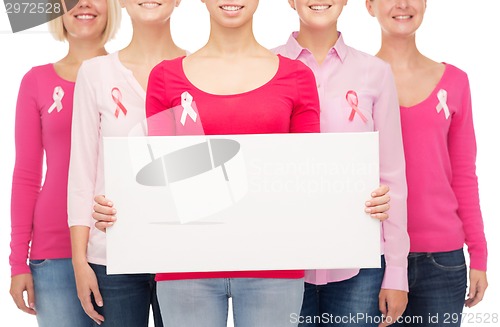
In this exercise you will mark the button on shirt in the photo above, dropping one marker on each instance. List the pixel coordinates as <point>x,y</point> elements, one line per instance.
<point>357,93</point>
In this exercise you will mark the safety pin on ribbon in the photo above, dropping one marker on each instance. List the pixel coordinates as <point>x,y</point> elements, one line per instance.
<point>116,94</point>
<point>186,102</point>
<point>57,96</point>
<point>442,96</point>
<point>352,99</point>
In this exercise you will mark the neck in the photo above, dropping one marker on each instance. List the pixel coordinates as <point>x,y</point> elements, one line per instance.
<point>150,44</point>
<point>400,52</point>
<point>229,42</point>
<point>83,50</point>
<point>319,42</point>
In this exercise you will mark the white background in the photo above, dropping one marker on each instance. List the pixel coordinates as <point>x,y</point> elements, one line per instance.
<point>461,32</point>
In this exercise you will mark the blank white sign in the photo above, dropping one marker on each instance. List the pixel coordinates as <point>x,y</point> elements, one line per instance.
<point>241,202</point>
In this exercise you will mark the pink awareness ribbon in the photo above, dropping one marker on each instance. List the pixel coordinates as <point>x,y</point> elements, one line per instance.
<point>117,98</point>
<point>352,99</point>
<point>186,102</point>
<point>57,96</point>
<point>442,96</point>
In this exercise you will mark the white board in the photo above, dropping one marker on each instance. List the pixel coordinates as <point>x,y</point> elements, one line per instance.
<point>242,202</point>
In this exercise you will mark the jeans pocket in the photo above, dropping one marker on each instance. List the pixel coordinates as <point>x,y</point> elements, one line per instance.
<point>38,263</point>
<point>450,261</point>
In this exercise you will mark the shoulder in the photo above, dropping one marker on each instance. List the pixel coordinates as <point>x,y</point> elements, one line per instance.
<point>172,66</point>
<point>367,60</point>
<point>39,78</point>
<point>40,72</point>
<point>100,67</point>
<point>455,74</point>
<point>97,64</point>
<point>294,66</point>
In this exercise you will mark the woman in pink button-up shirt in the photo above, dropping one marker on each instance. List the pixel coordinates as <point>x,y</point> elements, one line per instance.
<point>357,94</point>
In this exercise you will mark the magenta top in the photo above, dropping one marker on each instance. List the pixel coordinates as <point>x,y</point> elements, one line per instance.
<point>288,103</point>
<point>440,150</point>
<point>38,212</point>
<point>346,78</point>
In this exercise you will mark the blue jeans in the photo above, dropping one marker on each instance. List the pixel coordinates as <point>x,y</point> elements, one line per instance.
<point>438,282</point>
<point>56,299</point>
<point>127,298</point>
<point>257,302</point>
<point>351,302</point>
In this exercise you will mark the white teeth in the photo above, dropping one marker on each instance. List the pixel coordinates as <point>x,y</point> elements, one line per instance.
<point>85,16</point>
<point>231,8</point>
<point>150,4</point>
<point>318,8</point>
<point>402,17</point>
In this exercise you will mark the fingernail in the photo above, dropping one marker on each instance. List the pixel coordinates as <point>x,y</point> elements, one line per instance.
<point>368,210</point>
<point>368,203</point>
<point>110,203</point>
<point>32,305</point>
<point>110,223</point>
<point>374,194</point>
<point>99,303</point>
<point>114,211</point>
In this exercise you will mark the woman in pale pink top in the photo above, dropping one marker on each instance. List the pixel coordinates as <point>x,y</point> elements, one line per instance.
<point>40,231</point>
<point>440,150</point>
<point>110,101</point>
<point>357,94</point>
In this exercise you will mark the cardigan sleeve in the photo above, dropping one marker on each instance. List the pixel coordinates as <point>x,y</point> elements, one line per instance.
<point>462,152</point>
<point>83,163</point>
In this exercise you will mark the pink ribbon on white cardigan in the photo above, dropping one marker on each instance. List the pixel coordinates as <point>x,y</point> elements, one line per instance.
<point>352,99</point>
<point>442,96</point>
<point>57,96</point>
<point>117,98</point>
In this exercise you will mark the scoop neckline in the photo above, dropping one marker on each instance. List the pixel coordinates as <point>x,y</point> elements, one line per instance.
<point>434,90</point>
<point>54,71</point>
<point>270,81</point>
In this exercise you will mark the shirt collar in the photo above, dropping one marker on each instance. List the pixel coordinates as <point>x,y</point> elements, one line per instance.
<point>293,49</point>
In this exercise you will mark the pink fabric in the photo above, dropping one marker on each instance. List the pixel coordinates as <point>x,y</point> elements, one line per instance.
<point>38,213</point>
<point>443,200</point>
<point>94,116</point>
<point>288,103</point>
<point>345,72</point>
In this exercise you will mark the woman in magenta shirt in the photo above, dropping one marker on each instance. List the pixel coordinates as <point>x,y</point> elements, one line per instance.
<point>440,150</point>
<point>44,109</point>
<point>285,91</point>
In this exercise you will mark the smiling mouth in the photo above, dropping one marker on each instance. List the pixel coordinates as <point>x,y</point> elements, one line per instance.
<point>231,8</point>
<point>85,16</point>
<point>149,4</point>
<point>319,7</point>
<point>402,17</point>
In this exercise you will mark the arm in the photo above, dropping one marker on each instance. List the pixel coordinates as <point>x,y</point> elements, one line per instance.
<point>160,122</point>
<point>85,138</point>
<point>462,151</point>
<point>26,184</point>
<point>393,295</point>
<point>305,114</point>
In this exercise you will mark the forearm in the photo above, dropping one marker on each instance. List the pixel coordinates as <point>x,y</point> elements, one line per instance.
<point>79,242</point>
